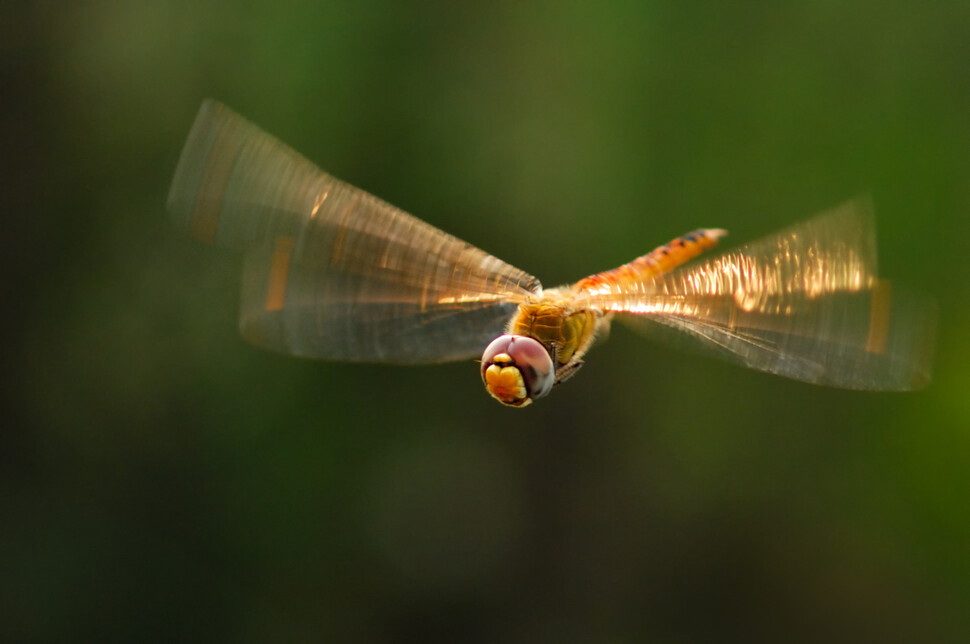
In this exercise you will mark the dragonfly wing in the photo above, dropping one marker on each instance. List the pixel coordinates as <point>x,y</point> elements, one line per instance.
<point>331,271</point>
<point>804,303</point>
<point>880,340</point>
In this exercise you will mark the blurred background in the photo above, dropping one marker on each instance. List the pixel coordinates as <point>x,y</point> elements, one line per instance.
<point>162,480</point>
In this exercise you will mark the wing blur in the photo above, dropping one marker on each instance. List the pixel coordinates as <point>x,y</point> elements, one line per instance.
<point>804,303</point>
<point>331,271</point>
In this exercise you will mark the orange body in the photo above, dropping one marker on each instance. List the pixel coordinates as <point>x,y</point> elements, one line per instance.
<point>567,328</point>
<point>658,261</point>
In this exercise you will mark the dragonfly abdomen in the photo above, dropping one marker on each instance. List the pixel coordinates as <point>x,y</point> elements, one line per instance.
<point>658,261</point>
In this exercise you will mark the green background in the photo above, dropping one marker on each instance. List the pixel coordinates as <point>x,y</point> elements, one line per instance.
<point>160,479</point>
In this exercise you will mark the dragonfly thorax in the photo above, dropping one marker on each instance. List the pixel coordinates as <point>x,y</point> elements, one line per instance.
<point>565,331</point>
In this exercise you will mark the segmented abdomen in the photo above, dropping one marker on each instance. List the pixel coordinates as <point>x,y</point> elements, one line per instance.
<point>662,259</point>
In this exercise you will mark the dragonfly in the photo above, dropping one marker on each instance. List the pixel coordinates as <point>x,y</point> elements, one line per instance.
<point>331,272</point>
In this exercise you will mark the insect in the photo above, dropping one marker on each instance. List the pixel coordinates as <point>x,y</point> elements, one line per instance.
<point>332,272</point>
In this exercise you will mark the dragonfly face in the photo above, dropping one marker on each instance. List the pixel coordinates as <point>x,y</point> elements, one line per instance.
<point>331,272</point>
<point>516,369</point>
<point>558,326</point>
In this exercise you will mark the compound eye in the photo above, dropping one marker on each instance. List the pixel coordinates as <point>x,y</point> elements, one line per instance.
<point>517,369</point>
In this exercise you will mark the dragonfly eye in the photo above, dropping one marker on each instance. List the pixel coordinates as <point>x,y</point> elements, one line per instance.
<point>517,369</point>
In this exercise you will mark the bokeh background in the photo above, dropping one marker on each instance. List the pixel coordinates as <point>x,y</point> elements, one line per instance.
<point>162,480</point>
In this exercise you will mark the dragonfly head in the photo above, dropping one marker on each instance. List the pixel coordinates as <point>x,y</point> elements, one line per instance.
<point>517,369</point>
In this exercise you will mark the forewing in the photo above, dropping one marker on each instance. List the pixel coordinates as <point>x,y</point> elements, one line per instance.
<point>331,271</point>
<point>804,303</point>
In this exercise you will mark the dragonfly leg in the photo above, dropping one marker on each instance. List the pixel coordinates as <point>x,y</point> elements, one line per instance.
<point>565,371</point>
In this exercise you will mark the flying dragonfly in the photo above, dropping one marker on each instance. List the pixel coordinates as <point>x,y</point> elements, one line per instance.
<point>334,273</point>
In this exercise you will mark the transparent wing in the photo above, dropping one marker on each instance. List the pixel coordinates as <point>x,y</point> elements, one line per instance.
<point>804,303</point>
<point>331,271</point>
